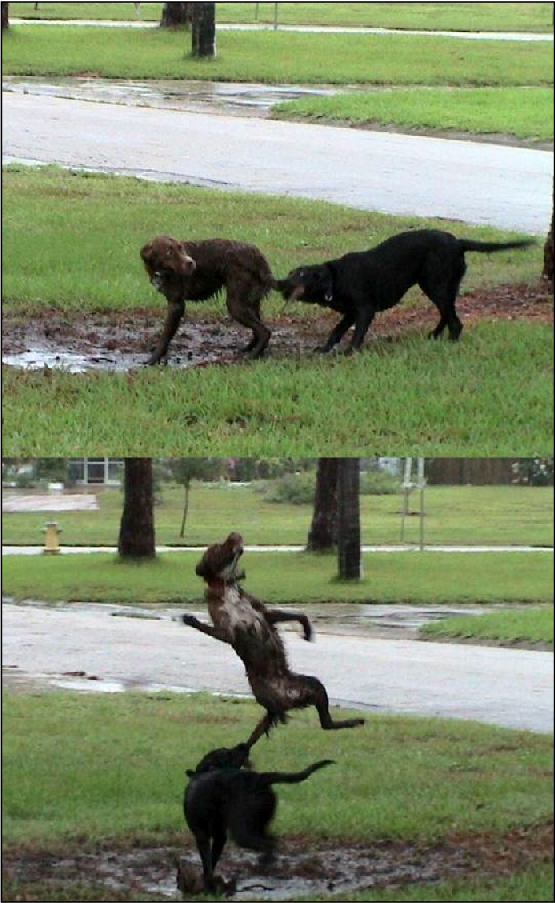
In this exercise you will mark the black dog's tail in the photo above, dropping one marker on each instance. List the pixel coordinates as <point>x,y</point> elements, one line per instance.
<point>486,247</point>
<point>295,777</point>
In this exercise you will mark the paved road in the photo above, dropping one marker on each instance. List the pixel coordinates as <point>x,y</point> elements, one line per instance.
<point>313,29</point>
<point>80,550</point>
<point>476,183</point>
<point>495,686</point>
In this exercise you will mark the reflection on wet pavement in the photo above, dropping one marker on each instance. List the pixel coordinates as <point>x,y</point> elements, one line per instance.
<point>225,97</point>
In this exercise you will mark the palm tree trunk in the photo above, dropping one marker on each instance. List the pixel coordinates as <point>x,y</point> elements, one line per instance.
<point>548,255</point>
<point>349,519</point>
<point>136,535</point>
<point>204,29</point>
<point>5,18</point>
<point>322,536</point>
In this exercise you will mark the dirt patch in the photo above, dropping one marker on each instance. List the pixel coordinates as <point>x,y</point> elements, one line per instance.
<point>302,868</point>
<point>121,342</point>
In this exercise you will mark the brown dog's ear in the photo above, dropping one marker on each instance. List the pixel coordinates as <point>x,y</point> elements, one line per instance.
<point>201,570</point>
<point>146,251</point>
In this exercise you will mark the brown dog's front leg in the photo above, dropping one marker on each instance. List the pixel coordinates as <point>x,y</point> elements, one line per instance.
<point>176,309</point>
<point>275,616</point>
<point>214,632</point>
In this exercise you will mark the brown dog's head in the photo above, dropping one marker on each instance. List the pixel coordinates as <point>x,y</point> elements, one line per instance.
<point>165,255</point>
<point>220,561</point>
<point>311,284</point>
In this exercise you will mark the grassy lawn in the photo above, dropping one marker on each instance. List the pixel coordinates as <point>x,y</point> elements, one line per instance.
<point>47,207</point>
<point>91,766</point>
<point>522,112</point>
<point>423,578</point>
<point>385,399</point>
<point>84,770</point>
<point>535,626</point>
<point>457,16</point>
<point>276,57</point>
<point>485,515</point>
<point>271,407</point>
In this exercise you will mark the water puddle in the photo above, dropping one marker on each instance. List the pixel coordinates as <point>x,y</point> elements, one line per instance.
<point>238,98</point>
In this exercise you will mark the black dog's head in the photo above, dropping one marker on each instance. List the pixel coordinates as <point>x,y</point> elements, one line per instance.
<point>312,284</point>
<point>221,560</point>
<point>234,757</point>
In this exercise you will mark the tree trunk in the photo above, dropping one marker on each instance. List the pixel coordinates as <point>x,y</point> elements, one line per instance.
<point>176,14</point>
<point>136,535</point>
<point>349,518</point>
<point>204,29</point>
<point>187,487</point>
<point>548,255</point>
<point>5,20</point>
<point>322,536</point>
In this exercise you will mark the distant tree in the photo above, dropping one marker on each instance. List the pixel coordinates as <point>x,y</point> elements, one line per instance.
<point>5,17</point>
<point>349,519</point>
<point>322,536</point>
<point>176,14</point>
<point>136,535</point>
<point>185,470</point>
<point>204,29</point>
<point>548,253</point>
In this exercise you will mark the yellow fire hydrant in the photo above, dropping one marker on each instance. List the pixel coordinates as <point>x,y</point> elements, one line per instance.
<point>51,543</point>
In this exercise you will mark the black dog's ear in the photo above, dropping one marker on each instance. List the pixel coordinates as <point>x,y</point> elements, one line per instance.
<point>190,773</point>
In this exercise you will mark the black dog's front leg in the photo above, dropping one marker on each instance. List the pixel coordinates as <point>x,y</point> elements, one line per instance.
<point>275,616</point>
<point>364,318</point>
<point>337,334</point>
<point>214,632</point>
<point>176,309</point>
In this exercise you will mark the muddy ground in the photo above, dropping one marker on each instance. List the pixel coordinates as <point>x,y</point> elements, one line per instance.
<point>302,868</point>
<point>122,341</point>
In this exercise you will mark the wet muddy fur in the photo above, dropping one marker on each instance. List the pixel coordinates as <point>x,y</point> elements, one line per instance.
<point>222,799</point>
<point>249,627</point>
<point>198,270</point>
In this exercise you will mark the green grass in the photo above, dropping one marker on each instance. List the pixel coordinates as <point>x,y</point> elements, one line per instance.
<point>46,207</point>
<point>533,626</point>
<point>94,767</point>
<point>275,57</point>
<point>385,399</point>
<point>442,16</point>
<point>423,578</point>
<point>520,112</point>
<point>485,515</point>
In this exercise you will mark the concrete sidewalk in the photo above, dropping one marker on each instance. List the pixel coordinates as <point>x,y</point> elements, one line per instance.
<point>310,29</point>
<point>88,550</point>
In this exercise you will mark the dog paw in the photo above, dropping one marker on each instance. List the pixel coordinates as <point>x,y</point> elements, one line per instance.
<point>189,620</point>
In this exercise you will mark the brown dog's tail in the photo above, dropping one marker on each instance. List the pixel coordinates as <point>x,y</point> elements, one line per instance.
<point>487,247</point>
<point>295,777</point>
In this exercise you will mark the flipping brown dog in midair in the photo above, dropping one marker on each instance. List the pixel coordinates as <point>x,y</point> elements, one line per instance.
<point>249,627</point>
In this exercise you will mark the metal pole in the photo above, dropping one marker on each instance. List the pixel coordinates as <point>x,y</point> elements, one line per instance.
<point>275,16</point>
<point>422,513</point>
<point>406,490</point>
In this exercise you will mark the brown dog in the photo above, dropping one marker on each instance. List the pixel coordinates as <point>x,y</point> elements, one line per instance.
<point>197,270</point>
<point>248,626</point>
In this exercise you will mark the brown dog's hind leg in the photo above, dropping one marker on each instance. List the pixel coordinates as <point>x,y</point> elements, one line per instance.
<point>316,695</point>
<point>246,310</point>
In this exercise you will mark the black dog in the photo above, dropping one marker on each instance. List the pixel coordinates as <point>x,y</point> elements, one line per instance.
<point>360,284</point>
<point>221,798</point>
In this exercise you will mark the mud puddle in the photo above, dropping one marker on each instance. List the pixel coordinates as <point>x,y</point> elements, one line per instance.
<point>299,870</point>
<point>231,98</point>
<point>123,343</point>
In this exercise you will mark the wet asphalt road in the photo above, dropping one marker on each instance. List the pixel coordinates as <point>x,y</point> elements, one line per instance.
<point>484,184</point>
<point>511,688</point>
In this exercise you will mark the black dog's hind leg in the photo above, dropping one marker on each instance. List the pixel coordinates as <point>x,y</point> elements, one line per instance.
<point>218,843</point>
<point>204,848</point>
<point>336,334</point>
